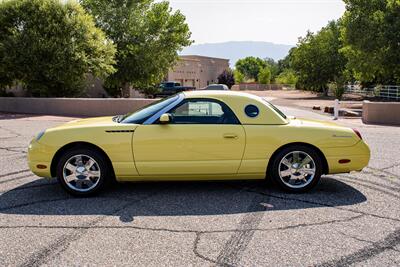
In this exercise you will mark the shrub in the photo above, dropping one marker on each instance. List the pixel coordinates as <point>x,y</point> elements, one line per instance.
<point>288,76</point>
<point>337,89</point>
<point>227,77</point>
<point>264,76</point>
<point>239,77</point>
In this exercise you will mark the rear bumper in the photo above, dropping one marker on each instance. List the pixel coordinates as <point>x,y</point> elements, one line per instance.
<point>359,156</point>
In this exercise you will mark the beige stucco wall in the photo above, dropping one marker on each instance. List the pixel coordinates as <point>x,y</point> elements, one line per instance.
<point>72,106</point>
<point>186,72</point>
<point>381,112</point>
<point>197,71</point>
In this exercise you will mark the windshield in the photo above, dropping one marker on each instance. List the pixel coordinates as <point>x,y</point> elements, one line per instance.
<point>146,112</point>
<point>276,109</point>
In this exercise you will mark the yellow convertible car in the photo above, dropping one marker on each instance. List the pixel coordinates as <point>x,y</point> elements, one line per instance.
<point>199,135</point>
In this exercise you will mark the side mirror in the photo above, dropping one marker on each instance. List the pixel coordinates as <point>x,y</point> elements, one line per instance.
<point>165,118</point>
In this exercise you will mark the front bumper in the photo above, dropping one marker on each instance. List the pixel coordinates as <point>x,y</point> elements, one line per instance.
<point>39,155</point>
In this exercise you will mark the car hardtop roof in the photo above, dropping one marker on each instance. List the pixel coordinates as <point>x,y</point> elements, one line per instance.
<point>218,93</point>
<point>237,101</point>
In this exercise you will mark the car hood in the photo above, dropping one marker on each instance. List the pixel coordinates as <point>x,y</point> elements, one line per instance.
<point>89,121</point>
<point>97,122</point>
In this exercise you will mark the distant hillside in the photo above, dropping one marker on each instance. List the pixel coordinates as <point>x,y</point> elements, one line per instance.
<point>237,50</point>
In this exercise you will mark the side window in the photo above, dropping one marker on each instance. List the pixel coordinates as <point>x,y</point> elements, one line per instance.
<point>198,108</point>
<point>193,111</point>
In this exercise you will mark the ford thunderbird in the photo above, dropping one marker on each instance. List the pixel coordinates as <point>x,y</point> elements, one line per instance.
<point>199,135</point>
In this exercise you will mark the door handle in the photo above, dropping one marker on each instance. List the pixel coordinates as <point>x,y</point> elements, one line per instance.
<point>232,136</point>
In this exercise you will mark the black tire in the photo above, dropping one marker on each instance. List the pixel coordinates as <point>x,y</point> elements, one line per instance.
<point>276,168</point>
<point>104,179</point>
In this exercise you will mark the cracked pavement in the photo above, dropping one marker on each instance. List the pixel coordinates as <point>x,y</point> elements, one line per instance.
<point>348,220</point>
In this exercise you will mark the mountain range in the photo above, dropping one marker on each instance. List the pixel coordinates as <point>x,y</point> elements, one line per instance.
<point>239,49</point>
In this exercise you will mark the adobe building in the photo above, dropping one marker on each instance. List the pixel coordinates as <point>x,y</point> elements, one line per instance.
<point>197,71</point>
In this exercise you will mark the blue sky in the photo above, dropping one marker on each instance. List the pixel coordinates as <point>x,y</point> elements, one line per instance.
<point>282,22</point>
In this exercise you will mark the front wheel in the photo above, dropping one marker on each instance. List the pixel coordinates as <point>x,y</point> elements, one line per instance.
<point>296,168</point>
<point>83,172</point>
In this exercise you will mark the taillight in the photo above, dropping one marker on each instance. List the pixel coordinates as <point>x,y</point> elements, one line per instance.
<point>357,133</point>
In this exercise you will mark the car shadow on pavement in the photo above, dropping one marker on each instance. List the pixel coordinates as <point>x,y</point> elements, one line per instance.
<point>128,200</point>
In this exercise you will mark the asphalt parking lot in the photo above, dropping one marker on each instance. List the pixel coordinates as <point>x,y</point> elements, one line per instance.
<point>349,219</point>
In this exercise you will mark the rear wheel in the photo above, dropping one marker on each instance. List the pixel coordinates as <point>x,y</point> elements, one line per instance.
<point>297,168</point>
<point>83,172</point>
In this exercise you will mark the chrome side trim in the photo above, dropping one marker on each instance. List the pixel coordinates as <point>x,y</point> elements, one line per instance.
<point>155,117</point>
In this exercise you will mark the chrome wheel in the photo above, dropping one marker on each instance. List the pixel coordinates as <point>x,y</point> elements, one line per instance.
<point>297,169</point>
<point>81,173</point>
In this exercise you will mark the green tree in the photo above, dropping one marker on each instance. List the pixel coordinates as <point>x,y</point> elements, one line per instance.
<point>148,36</point>
<point>274,67</point>
<point>264,76</point>
<point>227,77</point>
<point>239,77</point>
<point>284,63</point>
<point>288,76</point>
<point>250,67</point>
<point>317,59</point>
<point>371,34</point>
<point>50,47</point>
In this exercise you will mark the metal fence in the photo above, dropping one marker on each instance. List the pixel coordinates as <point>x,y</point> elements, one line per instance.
<point>382,91</point>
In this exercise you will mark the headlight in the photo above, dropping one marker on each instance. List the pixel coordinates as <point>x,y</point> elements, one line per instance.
<point>40,135</point>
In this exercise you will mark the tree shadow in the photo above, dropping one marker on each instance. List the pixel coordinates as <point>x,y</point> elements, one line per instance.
<point>42,197</point>
<point>13,116</point>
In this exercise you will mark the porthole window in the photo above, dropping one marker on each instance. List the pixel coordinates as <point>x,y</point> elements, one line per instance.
<point>251,111</point>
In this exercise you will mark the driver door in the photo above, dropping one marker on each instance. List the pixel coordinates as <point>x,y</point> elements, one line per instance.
<point>203,137</point>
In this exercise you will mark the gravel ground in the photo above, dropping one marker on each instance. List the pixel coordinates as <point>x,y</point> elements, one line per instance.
<point>349,219</point>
